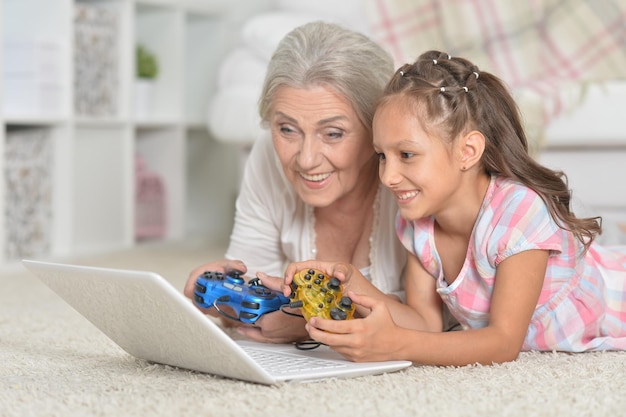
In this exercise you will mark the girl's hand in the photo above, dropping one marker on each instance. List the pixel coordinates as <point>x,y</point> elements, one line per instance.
<point>373,338</point>
<point>350,276</point>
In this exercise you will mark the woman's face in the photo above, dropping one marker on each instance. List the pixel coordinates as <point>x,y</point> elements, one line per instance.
<point>325,150</point>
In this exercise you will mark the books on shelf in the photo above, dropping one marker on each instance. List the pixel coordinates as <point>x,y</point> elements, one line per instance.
<point>96,63</point>
<point>28,166</point>
<point>32,78</point>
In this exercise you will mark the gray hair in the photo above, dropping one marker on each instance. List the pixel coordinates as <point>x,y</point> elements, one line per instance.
<point>320,53</point>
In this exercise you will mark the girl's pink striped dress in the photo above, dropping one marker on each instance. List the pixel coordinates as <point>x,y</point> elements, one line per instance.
<point>582,305</point>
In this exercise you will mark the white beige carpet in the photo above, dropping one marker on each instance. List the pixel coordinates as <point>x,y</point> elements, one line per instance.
<point>55,363</point>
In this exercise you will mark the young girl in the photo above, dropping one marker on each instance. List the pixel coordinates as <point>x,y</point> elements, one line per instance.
<point>489,232</point>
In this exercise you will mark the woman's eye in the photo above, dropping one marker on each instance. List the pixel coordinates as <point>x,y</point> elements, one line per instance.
<point>286,129</point>
<point>406,155</point>
<point>381,156</point>
<point>335,135</point>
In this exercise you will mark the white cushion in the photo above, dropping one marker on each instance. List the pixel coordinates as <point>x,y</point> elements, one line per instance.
<point>352,12</point>
<point>233,110</point>
<point>262,33</point>
<point>241,67</point>
<point>233,116</point>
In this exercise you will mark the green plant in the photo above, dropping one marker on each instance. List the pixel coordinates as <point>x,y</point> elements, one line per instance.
<point>147,65</point>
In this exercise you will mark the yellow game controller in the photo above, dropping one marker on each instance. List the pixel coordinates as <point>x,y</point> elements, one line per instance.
<point>320,296</point>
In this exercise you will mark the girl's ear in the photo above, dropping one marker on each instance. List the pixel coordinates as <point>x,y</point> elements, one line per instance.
<point>472,146</point>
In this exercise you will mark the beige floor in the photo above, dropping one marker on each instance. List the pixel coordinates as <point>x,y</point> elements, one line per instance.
<point>55,363</point>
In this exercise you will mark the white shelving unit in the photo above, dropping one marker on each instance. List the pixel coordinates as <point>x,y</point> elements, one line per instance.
<point>68,74</point>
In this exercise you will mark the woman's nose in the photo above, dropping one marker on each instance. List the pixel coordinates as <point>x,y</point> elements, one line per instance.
<point>309,154</point>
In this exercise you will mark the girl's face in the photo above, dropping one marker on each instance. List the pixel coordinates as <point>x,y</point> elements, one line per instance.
<point>325,150</point>
<point>418,168</point>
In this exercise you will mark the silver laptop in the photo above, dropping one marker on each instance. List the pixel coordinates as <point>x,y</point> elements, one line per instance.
<point>148,318</point>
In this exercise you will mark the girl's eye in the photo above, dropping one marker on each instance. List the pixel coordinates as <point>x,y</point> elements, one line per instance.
<point>381,156</point>
<point>406,155</point>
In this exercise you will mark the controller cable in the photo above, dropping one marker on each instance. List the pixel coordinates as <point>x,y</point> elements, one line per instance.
<point>224,299</point>
<point>307,344</point>
<point>303,344</point>
<point>295,304</point>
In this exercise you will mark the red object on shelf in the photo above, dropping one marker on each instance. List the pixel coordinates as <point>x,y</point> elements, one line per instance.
<point>150,203</point>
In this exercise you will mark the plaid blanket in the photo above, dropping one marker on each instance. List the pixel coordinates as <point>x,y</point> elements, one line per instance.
<point>545,50</point>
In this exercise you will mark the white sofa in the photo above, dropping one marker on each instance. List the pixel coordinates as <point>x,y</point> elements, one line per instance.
<point>588,143</point>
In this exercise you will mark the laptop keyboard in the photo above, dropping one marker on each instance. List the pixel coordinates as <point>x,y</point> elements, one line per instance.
<point>275,362</point>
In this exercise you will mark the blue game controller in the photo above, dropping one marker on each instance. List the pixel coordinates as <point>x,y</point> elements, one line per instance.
<point>249,301</point>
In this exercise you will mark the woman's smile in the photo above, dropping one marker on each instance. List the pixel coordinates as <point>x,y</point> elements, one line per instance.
<point>315,177</point>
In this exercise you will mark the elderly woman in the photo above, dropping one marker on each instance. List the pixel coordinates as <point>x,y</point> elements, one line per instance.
<point>311,190</point>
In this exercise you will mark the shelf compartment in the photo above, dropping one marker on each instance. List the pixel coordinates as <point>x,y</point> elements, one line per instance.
<point>159,30</point>
<point>35,61</point>
<point>102,191</point>
<point>163,152</point>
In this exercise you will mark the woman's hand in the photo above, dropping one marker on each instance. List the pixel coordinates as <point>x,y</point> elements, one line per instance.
<point>277,326</point>
<point>373,338</point>
<point>223,266</point>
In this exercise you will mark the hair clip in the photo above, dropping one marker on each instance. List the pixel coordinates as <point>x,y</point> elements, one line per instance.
<point>435,61</point>
<point>466,90</point>
<point>442,89</point>
<point>476,74</point>
<point>449,57</point>
<point>401,73</point>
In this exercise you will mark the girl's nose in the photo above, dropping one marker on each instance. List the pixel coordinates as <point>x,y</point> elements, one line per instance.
<point>389,176</point>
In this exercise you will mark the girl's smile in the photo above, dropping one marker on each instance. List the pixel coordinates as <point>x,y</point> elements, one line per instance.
<point>406,196</point>
<point>417,167</point>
